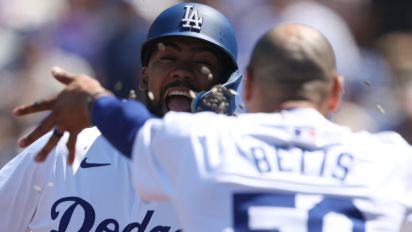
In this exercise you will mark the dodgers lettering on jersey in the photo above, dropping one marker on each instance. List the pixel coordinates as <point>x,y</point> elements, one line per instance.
<point>274,172</point>
<point>95,194</point>
<point>89,221</point>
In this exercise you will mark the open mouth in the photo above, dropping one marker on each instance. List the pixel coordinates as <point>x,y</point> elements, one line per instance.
<point>178,100</point>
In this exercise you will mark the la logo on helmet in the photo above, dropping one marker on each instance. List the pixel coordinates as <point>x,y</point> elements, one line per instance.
<point>191,19</point>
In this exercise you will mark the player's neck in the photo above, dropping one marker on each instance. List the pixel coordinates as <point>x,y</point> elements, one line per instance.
<point>297,104</point>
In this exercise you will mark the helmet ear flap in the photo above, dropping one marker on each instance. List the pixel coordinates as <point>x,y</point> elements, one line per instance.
<point>220,99</point>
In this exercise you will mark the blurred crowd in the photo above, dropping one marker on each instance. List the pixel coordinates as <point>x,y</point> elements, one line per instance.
<point>101,38</point>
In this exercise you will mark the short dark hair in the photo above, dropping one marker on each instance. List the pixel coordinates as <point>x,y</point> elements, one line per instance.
<point>291,57</point>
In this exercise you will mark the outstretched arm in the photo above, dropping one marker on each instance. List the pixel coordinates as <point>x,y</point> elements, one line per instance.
<point>82,101</point>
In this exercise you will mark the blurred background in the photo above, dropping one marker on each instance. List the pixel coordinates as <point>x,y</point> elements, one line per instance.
<point>102,38</point>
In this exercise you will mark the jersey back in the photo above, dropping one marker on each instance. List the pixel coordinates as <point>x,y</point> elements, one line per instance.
<point>291,171</point>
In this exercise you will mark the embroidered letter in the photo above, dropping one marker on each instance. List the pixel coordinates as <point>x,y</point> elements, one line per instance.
<point>191,19</point>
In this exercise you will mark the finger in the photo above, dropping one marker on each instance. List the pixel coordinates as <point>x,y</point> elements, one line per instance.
<point>37,106</point>
<point>71,147</point>
<point>62,76</point>
<point>45,126</point>
<point>44,152</point>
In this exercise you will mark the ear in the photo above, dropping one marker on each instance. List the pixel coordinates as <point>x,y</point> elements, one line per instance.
<point>336,94</point>
<point>144,78</point>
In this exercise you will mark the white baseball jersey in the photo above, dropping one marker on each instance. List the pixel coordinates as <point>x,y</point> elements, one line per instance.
<point>290,171</point>
<point>95,194</point>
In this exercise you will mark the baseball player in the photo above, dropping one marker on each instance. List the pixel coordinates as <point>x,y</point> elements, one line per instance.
<point>95,194</point>
<point>281,167</point>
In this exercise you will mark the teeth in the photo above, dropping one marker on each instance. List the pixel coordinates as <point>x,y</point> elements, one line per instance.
<point>179,93</point>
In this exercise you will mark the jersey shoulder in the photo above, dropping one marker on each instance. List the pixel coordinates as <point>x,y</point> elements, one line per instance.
<point>391,137</point>
<point>386,139</point>
<point>85,139</point>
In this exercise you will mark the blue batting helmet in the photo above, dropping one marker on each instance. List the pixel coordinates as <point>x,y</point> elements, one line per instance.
<point>202,22</point>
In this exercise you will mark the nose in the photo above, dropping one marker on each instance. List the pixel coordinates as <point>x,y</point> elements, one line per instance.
<point>183,72</point>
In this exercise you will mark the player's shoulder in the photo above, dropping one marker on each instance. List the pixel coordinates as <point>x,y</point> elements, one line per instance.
<point>391,137</point>
<point>85,138</point>
<point>24,161</point>
<point>90,143</point>
<point>385,143</point>
<point>386,138</point>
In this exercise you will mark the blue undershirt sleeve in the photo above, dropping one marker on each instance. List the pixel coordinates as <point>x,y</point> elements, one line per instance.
<point>119,121</point>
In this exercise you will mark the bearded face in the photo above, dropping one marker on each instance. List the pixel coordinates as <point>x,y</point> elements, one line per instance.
<point>178,68</point>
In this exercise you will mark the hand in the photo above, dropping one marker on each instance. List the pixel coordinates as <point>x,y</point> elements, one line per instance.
<point>69,112</point>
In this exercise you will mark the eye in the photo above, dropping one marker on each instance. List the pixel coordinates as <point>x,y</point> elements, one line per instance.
<point>204,62</point>
<point>167,59</point>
